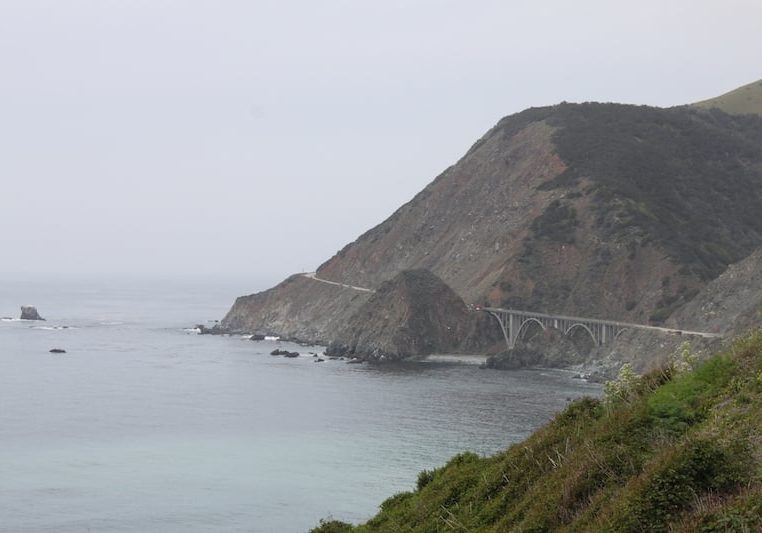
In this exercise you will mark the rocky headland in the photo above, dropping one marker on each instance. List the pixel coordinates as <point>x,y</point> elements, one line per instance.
<point>610,211</point>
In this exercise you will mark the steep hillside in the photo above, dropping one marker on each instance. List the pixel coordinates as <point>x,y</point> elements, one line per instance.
<point>414,313</point>
<point>298,308</point>
<point>729,304</point>
<point>744,100</point>
<point>599,210</point>
<point>675,450</point>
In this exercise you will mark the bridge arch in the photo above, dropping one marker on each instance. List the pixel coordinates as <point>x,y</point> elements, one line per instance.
<point>524,326</point>
<point>513,324</point>
<point>583,326</point>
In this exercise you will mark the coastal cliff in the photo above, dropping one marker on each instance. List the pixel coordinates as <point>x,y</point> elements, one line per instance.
<point>601,210</point>
<point>299,308</point>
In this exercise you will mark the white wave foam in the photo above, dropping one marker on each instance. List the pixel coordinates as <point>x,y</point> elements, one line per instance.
<point>192,330</point>
<point>271,338</point>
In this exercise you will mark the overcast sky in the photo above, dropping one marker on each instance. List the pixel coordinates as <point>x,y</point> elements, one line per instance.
<point>254,138</point>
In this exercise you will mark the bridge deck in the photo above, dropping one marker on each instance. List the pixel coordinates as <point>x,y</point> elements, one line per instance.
<point>630,325</point>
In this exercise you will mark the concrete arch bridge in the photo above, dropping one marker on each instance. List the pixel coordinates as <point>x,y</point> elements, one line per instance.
<point>514,324</point>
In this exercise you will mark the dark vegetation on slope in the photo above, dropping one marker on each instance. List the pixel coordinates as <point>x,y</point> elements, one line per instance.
<point>557,223</point>
<point>687,179</point>
<point>678,451</point>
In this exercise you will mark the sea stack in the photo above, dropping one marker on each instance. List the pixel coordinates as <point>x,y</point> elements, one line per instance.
<point>29,312</point>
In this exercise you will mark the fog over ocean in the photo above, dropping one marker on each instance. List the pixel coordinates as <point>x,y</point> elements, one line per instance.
<point>144,426</point>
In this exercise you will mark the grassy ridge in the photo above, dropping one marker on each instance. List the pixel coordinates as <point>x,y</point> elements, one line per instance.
<point>671,450</point>
<point>744,100</point>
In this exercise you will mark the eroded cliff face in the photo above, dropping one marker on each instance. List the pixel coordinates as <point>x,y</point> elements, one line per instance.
<point>462,227</point>
<point>731,303</point>
<point>599,210</point>
<point>299,308</point>
<point>467,223</point>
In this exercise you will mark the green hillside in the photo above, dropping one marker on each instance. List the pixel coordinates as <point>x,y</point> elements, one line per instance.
<point>677,449</point>
<point>744,100</point>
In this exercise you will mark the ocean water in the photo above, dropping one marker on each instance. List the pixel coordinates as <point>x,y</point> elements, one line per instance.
<point>144,426</point>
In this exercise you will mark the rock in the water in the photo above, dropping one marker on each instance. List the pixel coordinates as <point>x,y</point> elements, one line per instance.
<point>284,353</point>
<point>57,350</point>
<point>257,337</point>
<point>214,330</point>
<point>29,312</point>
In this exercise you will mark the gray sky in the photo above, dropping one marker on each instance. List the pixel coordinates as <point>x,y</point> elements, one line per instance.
<point>255,138</point>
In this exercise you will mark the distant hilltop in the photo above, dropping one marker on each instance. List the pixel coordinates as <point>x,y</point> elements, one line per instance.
<point>744,100</point>
<point>613,211</point>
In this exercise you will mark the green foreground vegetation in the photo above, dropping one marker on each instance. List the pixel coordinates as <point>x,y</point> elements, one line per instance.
<point>679,449</point>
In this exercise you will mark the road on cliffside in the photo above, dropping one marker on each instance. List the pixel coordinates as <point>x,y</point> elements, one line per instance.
<point>313,275</point>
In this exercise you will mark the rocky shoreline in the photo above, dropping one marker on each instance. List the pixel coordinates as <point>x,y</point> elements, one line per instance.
<point>416,314</point>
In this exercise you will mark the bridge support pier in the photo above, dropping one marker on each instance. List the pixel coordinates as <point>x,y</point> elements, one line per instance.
<point>507,326</point>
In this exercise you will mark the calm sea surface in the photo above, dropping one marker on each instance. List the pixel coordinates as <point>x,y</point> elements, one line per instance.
<point>142,426</point>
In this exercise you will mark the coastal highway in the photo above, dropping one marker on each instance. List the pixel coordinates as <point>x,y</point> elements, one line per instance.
<point>313,275</point>
<point>624,325</point>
